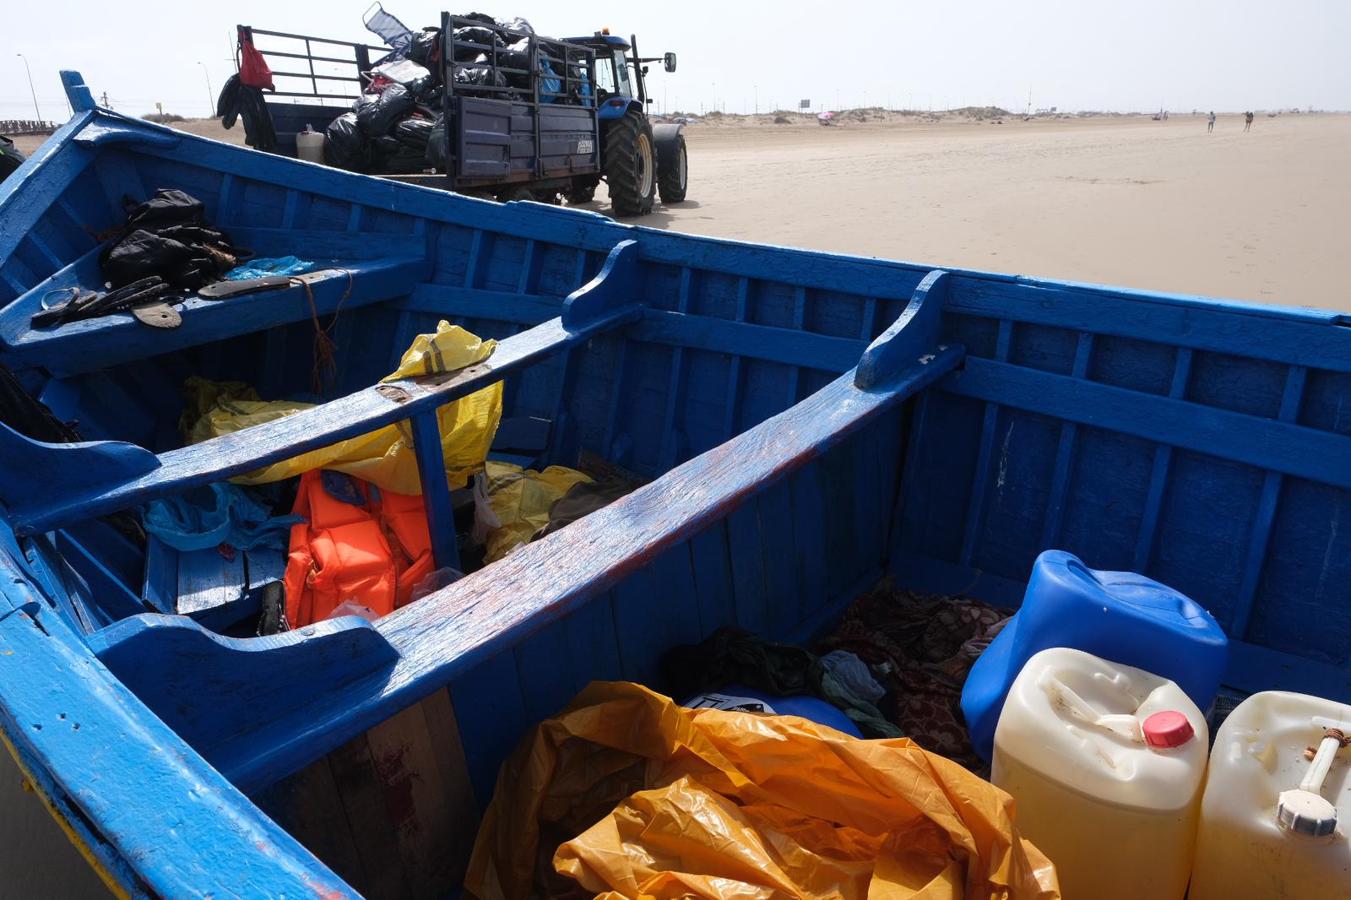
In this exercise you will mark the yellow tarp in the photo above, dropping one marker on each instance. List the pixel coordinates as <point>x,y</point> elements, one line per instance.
<point>518,501</point>
<point>385,456</point>
<point>645,799</point>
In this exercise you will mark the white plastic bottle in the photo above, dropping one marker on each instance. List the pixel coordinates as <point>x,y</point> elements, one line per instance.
<point>1106,765</point>
<point>310,145</point>
<point>1275,817</point>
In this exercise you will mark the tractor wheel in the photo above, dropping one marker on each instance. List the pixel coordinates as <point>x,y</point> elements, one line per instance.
<point>673,172</point>
<point>630,165</point>
<point>10,158</point>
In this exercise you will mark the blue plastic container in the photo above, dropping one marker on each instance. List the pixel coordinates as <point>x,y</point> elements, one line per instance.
<point>1119,616</point>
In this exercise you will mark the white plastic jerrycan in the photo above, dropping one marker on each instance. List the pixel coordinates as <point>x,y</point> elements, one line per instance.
<point>1105,764</point>
<point>1277,808</point>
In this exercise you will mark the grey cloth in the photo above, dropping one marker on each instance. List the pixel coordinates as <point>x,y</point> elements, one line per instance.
<point>853,674</point>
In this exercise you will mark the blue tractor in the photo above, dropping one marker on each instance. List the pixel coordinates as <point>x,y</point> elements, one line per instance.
<point>637,158</point>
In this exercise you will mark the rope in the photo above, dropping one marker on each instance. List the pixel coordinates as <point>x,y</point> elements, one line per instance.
<point>325,367</point>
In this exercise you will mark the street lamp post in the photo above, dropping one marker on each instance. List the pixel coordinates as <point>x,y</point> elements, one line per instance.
<point>32,90</point>
<point>210,94</point>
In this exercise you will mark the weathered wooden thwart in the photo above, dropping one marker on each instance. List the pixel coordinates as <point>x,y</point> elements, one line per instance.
<point>809,424</point>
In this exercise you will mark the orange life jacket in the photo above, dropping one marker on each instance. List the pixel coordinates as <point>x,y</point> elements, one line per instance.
<point>371,548</point>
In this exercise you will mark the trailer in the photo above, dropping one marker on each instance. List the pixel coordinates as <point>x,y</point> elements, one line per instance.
<point>519,116</point>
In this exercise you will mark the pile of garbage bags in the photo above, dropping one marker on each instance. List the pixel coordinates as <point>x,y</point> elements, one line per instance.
<point>397,125</point>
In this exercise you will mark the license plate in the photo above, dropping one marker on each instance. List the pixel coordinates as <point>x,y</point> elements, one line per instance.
<point>586,146</point>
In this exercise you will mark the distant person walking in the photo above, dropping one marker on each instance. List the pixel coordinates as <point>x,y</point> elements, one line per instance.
<point>1247,121</point>
<point>1210,122</point>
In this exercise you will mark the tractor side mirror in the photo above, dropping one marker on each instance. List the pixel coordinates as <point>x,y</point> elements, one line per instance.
<point>669,61</point>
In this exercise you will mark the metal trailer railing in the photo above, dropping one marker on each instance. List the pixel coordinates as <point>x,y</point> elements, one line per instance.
<point>359,57</point>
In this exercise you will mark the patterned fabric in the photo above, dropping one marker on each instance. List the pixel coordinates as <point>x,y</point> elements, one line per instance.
<point>921,647</point>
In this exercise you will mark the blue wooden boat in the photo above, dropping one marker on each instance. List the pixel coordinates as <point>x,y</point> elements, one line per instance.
<point>808,422</point>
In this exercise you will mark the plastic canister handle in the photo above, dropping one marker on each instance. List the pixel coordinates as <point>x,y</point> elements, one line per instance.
<point>1064,697</point>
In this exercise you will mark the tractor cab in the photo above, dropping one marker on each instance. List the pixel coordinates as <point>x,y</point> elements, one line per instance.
<point>620,71</point>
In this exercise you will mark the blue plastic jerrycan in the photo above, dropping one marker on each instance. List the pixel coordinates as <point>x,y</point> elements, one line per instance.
<point>1120,616</point>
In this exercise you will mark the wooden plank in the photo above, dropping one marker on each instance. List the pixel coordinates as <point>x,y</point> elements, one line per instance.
<point>593,643</point>
<point>444,730</point>
<point>654,610</point>
<point>743,339</point>
<point>732,416</point>
<point>1279,446</point>
<point>435,484</point>
<point>712,565</point>
<point>748,569</point>
<point>309,806</point>
<point>544,667</point>
<point>367,816</point>
<point>675,390</point>
<point>778,545</point>
<point>1055,503</point>
<point>1291,398</point>
<point>809,548</point>
<point>207,580</point>
<point>160,588</point>
<point>1302,337</point>
<point>487,740</point>
<point>975,513</point>
<point>417,799</point>
<point>1158,476</point>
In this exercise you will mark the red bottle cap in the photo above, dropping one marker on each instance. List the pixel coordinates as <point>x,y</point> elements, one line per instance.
<point>1167,729</point>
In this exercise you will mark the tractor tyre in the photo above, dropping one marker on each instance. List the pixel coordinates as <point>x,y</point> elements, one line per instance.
<point>10,158</point>
<point>673,172</point>
<point>630,165</point>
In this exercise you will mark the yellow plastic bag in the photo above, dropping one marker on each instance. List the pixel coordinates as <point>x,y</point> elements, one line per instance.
<point>643,798</point>
<point>511,503</point>
<point>384,456</point>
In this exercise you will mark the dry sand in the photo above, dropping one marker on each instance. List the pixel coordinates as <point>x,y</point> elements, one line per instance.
<point>1260,216</point>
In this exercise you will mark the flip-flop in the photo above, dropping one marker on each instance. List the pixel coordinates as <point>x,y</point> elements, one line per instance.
<point>223,289</point>
<point>157,315</point>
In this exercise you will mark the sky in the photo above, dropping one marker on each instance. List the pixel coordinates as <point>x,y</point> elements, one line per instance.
<point>1141,55</point>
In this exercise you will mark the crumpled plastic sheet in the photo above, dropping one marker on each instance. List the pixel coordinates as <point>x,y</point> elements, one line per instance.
<point>643,798</point>
<point>385,456</point>
<point>272,265</point>
<point>511,503</point>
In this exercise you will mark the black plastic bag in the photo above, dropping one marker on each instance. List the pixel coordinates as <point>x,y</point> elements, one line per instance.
<point>167,208</point>
<point>438,144</point>
<point>377,115</point>
<point>345,146</point>
<point>481,76</point>
<point>517,24</point>
<point>394,157</point>
<point>426,48</point>
<point>414,132</point>
<point>478,37</point>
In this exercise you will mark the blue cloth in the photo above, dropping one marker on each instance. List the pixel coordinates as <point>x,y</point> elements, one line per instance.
<point>222,514</point>
<point>276,265</point>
